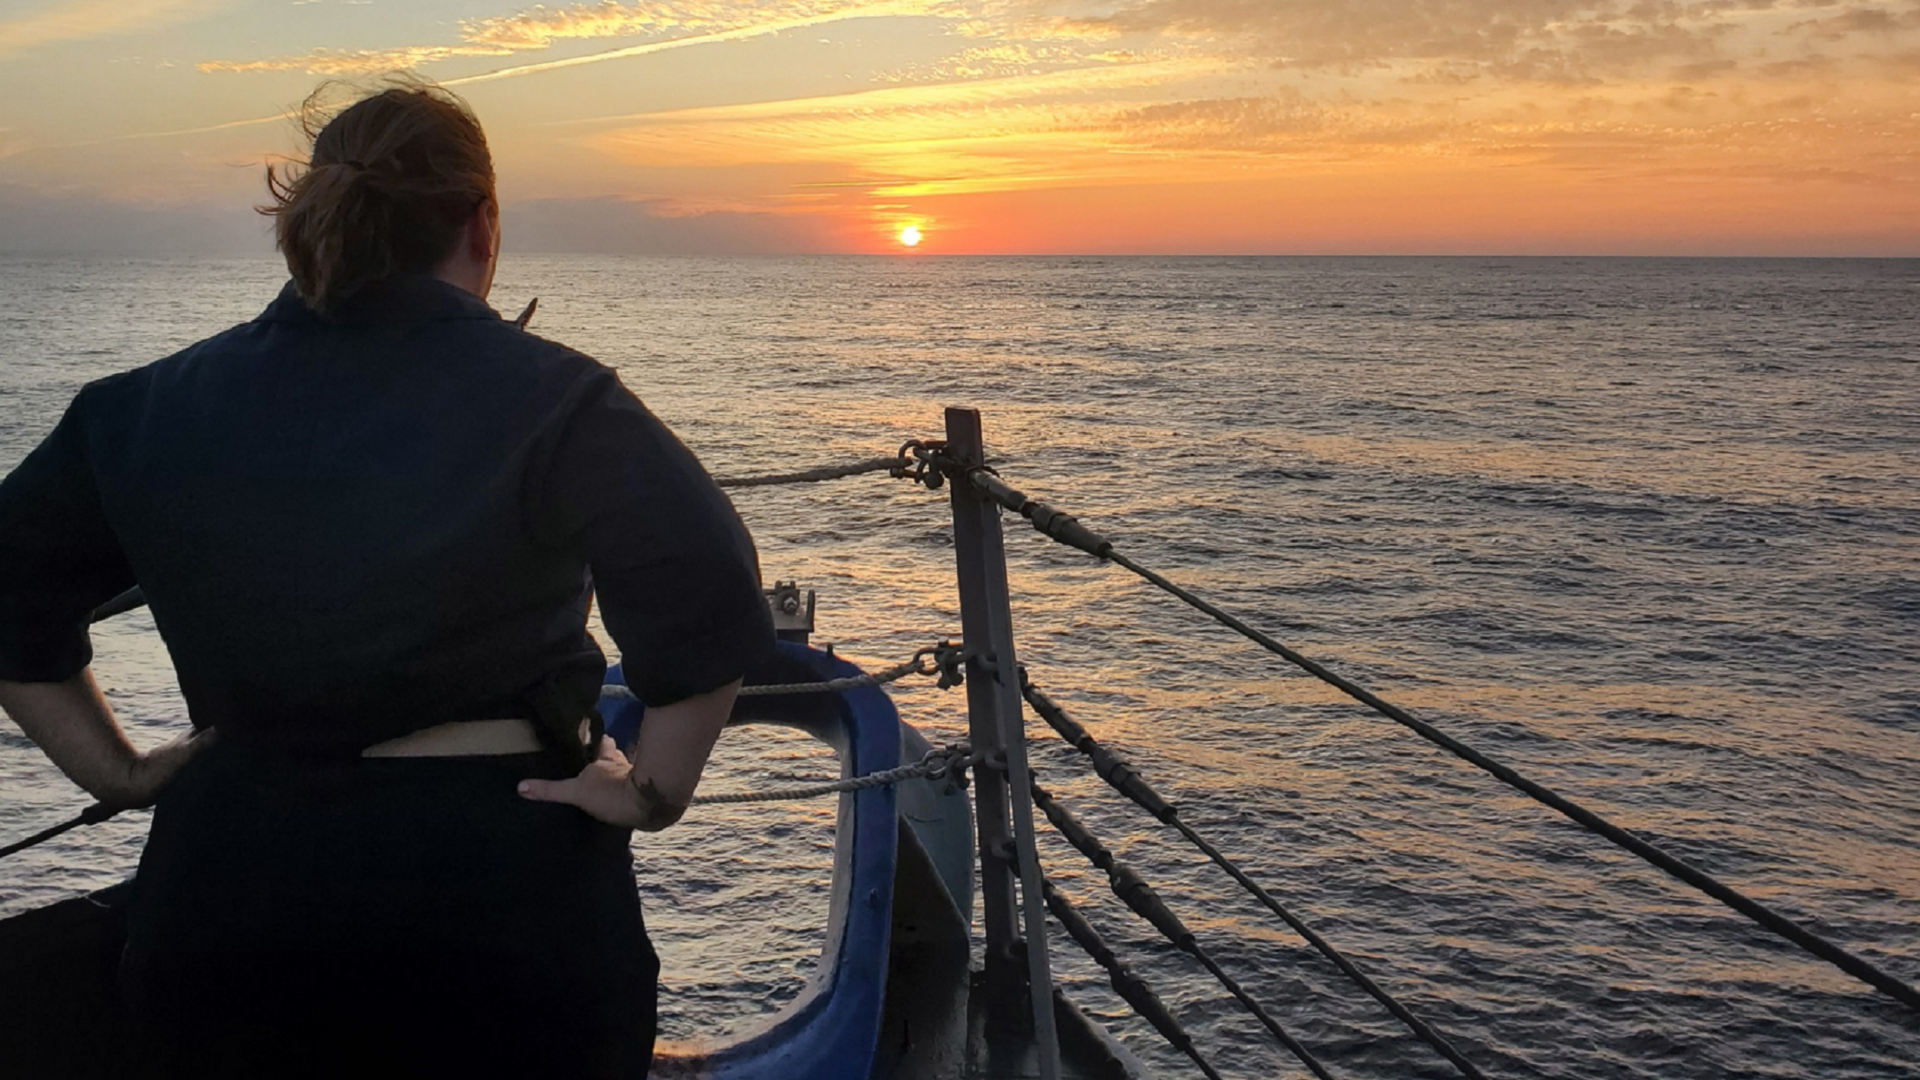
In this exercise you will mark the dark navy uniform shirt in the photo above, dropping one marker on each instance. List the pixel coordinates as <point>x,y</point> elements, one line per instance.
<point>353,527</point>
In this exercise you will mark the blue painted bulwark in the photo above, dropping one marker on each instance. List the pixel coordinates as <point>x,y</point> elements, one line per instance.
<point>831,1030</point>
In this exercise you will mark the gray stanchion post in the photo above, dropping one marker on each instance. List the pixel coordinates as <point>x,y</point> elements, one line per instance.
<point>1003,785</point>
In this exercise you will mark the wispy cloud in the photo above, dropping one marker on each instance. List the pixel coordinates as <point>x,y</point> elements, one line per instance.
<point>671,25</point>
<point>754,28</point>
<point>74,20</point>
<point>346,63</point>
<point>1004,58</point>
<point>541,27</point>
<point>1881,21</point>
<point>1551,41</point>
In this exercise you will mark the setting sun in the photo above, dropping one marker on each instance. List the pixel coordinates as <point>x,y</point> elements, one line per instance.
<point>910,235</point>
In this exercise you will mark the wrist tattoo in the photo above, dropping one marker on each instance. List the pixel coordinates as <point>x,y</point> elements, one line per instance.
<point>656,810</point>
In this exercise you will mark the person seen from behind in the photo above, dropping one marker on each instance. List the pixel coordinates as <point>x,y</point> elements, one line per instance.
<point>369,524</point>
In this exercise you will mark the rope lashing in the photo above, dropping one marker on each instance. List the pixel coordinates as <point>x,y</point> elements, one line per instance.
<point>1140,898</point>
<point>92,815</point>
<point>812,476</point>
<point>1115,770</point>
<point>933,458</point>
<point>945,763</point>
<point>1129,986</point>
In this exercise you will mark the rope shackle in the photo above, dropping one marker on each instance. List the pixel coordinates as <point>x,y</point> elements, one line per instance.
<point>916,462</point>
<point>949,662</point>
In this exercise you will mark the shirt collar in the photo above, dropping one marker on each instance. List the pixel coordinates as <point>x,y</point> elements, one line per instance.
<point>400,298</point>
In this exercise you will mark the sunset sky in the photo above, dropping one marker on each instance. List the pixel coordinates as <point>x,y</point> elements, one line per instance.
<point>1062,126</point>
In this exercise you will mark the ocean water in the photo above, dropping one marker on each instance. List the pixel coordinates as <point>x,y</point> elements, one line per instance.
<point>1647,530</point>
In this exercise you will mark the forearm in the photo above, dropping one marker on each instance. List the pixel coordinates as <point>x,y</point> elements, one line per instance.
<point>672,751</point>
<point>72,724</point>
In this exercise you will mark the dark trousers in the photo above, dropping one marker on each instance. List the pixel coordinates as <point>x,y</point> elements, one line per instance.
<point>326,917</point>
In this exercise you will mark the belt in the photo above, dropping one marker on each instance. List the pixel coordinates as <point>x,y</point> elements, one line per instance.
<point>463,738</point>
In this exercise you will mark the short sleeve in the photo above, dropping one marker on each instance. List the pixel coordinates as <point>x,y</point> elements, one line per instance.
<point>59,558</point>
<point>674,568</point>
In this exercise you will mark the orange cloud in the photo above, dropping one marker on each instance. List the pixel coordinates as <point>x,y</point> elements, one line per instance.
<point>973,135</point>
<point>1859,20</point>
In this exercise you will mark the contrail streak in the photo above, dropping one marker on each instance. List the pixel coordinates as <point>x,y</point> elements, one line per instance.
<point>648,49</point>
<point>275,118</point>
<point>736,34</point>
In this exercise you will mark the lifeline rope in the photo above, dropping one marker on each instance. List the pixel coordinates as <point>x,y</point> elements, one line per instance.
<point>1060,526</point>
<point>924,662</point>
<point>811,476</point>
<point>937,764</point>
<point>834,686</point>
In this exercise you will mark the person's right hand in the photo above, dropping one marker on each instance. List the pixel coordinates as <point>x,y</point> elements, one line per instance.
<point>608,790</point>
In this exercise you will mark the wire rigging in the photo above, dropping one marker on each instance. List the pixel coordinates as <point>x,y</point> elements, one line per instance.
<point>92,815</point>
<point>1064,528</point>
<point>1118,773</point>
<point>1140,898</point>
<point>1135,992</point>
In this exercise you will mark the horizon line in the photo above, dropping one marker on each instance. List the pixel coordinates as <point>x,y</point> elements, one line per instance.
<point>135,256</point>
